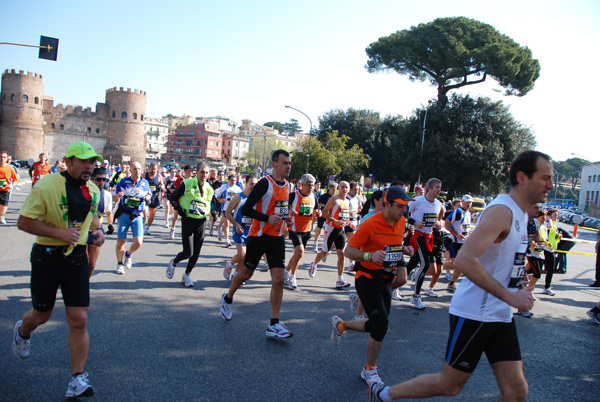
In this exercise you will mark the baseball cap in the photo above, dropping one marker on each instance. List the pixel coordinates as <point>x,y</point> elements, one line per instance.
<point>105,161</point>
<point>418,188</point>
<point>82,150</point>
<point>397,194</point>
<point>467,198</point>
<point>188,167</point>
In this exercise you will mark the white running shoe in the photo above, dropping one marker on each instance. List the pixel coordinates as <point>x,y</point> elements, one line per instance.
<point>548,291</point>
<point>354,300</point>
<point>278,331</point>
<point>186,280</point>
<point>220,234</point>
<point>350,267</point>
<point>325,258</point>
<point>147,230</point>
<point>120,269</point>
<point>451,287</point>
<point>171,269</point>
<point>286,275</point>
<point>341,283</point>
<point>315,248</point>
<point>211,232</point>
<point>227,270</point>
<point>413,275</point>
<point>292,282</point>
<point>264,266</point>
<point>312,270</point>
<point>429,292</point>
<point>226,312</point>
<point>79,386</point>
<point>127,262</point>
<point>524,313</point>
<point>20,346</point>
<point>448,277</point>
<point>370,376</point>
<point>336,334</point>
<point>172,233</point>
<point>374,390</point>
<point>2,220</point>
<point>396,294</point>
<point>167,224</point>
<point>417,303</point>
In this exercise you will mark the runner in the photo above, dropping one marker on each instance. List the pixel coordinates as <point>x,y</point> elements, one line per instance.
<point>215,205</point>
<point>241,225</point>
<point>267,205</point>
<point>378,248</point>
<point>458,223</point>
<point>321,220</point>
<point>550,260</point>
<point>192,201</point>
<point>424,216</point>
<point>132,193</point>
<point>302,210</point>
<point>337,214</point>
<point>60,211</point>
<point>224,195</point>
<point>355,205</point>
<point>105,206</point>
<point>157,187</point>
<point>188,172</point>
<point>536,239</point>
<point>39,169</point>
<point>169,187</point>
<point>8,178</point>
<point>481,319</point>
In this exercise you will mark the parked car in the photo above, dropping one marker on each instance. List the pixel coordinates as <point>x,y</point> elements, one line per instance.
<point>22,164</point>
<point>478,205</point>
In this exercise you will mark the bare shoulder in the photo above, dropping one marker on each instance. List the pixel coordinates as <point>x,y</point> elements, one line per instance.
<point>495,221</point>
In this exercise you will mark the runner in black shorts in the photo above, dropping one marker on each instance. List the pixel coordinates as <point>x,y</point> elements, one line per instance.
<point>59,258</point>
<point>320,220</point>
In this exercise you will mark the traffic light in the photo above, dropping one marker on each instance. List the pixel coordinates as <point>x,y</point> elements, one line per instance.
<point>48,48</point>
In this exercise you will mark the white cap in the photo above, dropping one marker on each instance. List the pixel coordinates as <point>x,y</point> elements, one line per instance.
<point>467,198</point>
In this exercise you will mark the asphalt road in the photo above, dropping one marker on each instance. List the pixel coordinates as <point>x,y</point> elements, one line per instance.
<point>153,339</point>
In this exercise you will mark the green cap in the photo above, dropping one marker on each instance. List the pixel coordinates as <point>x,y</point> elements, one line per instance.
<point>82,150</point>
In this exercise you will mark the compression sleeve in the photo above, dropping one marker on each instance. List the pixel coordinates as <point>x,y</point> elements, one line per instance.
<point>258,191</point>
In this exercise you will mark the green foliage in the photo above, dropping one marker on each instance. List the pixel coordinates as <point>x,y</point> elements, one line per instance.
<point>260,152</point>
<point>330,157</point>
<point>169,116</point>
<point>454,52</point>
<point>276,125</point>
<point>293,128</point>
<point>571,169</point>
<point>468,145</point>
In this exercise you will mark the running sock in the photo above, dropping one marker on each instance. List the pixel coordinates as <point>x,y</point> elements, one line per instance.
<point>384,395</point>
<point>228,300</point>
<point>21,336</point>
<point>451,283</point>
<point>368,367</point>
<point>273,320</point>
<point>341,327</point>
<point>127,254</point>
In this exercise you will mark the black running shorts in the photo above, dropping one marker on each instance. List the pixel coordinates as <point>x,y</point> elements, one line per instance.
<point>298,238</point>
<point>272,246</point>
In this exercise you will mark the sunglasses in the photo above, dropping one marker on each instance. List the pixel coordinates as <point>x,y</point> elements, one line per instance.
<point>99,178</point>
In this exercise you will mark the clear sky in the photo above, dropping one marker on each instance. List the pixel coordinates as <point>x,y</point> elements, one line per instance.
<point>248,59</point>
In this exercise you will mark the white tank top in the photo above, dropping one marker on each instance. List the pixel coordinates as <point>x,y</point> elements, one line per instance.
<point>505,262</point>
<point>422,210</point>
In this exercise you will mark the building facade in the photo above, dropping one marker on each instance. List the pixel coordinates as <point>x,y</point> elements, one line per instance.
<point>30,123</point>
<point>157,135</point>
<point>589,193</point>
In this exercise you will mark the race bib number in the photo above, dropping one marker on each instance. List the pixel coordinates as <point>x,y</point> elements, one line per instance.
<point>2,182</point>
<point>132,202</point>
<point>344,214</point>
<point>198,208</point>
<point>75,224</point>
<point>246,221</point>
<point>305,210</point>
<point>518,271</point>
<point>152,188</point>
<point>466,229</point>
<point>392,257</point>
<point>429,220</point>
<point>281,208</point>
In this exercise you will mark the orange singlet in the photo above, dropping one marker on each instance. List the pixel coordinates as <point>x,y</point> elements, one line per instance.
<point>340,211</point>
<point>274,202</point>
<point>304,206</point>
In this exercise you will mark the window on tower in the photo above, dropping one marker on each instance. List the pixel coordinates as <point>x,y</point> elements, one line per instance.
<point>124,115</point>
<point>53,125</point>
<point>36,100</point>
<point>12,97</point>
<point>113,113</point>
<point>134,116</point>
<point>62,126</point>
<point>25,98</point>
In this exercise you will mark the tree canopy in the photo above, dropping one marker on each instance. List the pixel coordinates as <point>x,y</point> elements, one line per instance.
<point>276,125</point>
<point>454,52</point>
<point>293,128</point>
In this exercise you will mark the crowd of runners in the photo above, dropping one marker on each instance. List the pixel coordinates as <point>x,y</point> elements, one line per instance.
<point>384,241</point>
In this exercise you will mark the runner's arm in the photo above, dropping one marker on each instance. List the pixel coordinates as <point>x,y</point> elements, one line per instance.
<point>493,226</point>
<point>39,228</point>
<point>258,191</point>
<point>325,213</point>
<point>229,212</point>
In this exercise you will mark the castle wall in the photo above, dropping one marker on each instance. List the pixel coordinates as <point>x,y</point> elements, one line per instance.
<point>125,134</point>
<point>21,133</point>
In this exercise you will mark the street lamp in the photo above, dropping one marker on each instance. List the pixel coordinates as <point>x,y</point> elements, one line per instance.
<point>422,143</point>
<point>309,133</point>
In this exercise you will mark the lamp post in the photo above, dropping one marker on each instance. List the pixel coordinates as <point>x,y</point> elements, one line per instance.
<point>264,164</point>
<point>309,133</point>
<point>422,143</point>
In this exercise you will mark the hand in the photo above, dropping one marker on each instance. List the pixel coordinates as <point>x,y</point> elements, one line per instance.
<point>460,236</point>
<point>120,194</point>
<point>437,225</point>
<point>99,238</point>
<point>409,251</point>
<point>318,213</point>
<point>275,220</point>
<point>239,228</point>
<point>522,299</point>
<point>69,236</point>
<point>419,225</point>
<point>111,230</point>
<point>378,256</point>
